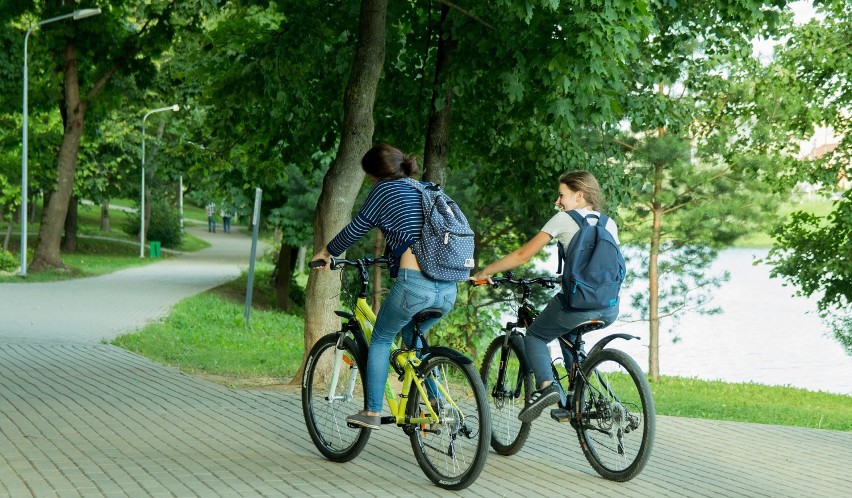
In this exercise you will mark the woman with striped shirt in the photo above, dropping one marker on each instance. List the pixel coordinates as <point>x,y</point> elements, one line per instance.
<point>394,206</point>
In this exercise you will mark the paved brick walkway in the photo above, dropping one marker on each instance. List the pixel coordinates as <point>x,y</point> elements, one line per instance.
<point>82,418</point>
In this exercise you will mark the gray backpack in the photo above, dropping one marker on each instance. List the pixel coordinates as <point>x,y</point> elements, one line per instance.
<point>445,247</point>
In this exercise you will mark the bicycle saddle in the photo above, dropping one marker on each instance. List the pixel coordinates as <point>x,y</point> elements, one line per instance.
<point>588,326</point>
<point>427,314</point>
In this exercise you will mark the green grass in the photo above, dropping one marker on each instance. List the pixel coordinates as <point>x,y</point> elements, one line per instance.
<point>194,213</point>
<point>749,402</point>
<point>816,205</point>
<point>206,335</point>
<point>94,255</point>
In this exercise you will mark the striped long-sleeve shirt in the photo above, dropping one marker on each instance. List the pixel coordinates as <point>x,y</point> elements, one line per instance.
<point>395,207</point>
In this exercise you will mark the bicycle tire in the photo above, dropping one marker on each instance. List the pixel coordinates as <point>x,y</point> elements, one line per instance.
<point>326,419</point>
<point>616,421</point>
<point>508,434</point>
<point>453,452</point>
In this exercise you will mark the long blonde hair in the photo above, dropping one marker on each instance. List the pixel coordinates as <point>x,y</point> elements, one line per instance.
<point>585,182</point>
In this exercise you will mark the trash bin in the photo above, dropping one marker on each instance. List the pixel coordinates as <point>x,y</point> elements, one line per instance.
<point>154,251</point>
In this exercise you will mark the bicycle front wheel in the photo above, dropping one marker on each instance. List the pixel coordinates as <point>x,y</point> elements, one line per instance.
<point>453,451</point>
<point>332,389</point>
<point>508,384</point>
<point>616,421</point>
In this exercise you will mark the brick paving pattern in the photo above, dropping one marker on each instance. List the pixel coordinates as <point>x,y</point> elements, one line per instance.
<point>83,418</point>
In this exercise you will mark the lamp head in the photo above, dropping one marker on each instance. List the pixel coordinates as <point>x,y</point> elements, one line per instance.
<point>175,108</point>
<point>84,13</point>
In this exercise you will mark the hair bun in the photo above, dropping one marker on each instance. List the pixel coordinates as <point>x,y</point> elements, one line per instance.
<point>409,165</point>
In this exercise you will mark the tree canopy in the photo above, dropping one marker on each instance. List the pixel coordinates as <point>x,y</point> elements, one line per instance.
<point>663,100</point>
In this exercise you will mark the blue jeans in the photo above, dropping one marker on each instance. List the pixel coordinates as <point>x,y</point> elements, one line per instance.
<point>226,224</point>
<point>211,224</point>
<point>552,323</point>
<point>412,292</point>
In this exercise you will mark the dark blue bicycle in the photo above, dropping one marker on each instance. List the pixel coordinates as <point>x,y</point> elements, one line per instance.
<point>608,401</point>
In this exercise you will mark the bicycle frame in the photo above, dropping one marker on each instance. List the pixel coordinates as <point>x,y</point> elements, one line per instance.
<point>573,354</point>
<point>360,325</point>
<point>602,408</point>
<point>442,407</point>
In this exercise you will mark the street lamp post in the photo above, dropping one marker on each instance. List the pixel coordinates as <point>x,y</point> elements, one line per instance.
<point>174,108</point>
<point>76,15</point>
<point>180,201</point>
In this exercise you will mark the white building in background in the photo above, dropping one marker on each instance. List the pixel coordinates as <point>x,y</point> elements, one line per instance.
<point>823,142</point>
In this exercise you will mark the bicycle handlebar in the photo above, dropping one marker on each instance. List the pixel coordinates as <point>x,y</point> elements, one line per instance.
<point>509,278</point>
<point>338,263</point>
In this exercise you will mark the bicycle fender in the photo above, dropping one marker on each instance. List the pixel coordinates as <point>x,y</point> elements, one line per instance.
<point>445,351</point>
<point>606,340</point>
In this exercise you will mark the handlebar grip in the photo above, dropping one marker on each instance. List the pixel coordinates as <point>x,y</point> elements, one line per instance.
<point>477,282</point>
<point>316,264</point>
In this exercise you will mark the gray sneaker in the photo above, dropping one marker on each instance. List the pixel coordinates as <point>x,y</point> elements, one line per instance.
<point>365,421</point>
<point>539,400</point>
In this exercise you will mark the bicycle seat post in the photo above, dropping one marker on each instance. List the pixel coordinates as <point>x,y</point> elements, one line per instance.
<point>419,318</point>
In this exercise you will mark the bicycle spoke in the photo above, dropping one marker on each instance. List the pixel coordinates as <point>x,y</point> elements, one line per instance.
<point>507,385</point>
<point>451,452</point>
<point>617,419</point>
<point>331,391</point>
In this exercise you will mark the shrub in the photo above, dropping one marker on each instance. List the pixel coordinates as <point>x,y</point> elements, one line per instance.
<point>164,225</point>
<point>8,262</point>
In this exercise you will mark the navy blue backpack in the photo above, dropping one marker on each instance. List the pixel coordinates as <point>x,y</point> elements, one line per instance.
<point>593,266</point>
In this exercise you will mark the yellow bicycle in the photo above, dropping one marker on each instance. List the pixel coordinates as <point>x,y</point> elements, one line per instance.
<point>433,393</point>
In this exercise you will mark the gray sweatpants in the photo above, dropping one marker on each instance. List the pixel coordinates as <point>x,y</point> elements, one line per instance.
<point>554,322</point>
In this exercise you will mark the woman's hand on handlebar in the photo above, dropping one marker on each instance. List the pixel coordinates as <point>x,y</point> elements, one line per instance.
<point>481,278</point>
<point>320,260</point>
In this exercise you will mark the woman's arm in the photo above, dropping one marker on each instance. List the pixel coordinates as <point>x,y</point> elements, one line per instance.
<point>515,258</point>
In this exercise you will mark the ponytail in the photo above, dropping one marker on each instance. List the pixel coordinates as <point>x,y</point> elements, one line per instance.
<point>387,162</point>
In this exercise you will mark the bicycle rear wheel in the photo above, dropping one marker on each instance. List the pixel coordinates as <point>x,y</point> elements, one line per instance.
<point>326,410</point>
<point>616,421</point>
<point>452,452</point>
<point>508,385</point>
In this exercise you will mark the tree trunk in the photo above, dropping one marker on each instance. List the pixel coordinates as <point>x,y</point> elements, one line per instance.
<point>283,277</point>
<point>300,260</point>
<point>70,244</point>
<point>105,216</point>
<point>344,177</point>
<point>31,207</point>
<point>8,235</point>
<point>654,278</point>
<point>151,165</point>
<point>50,234</point>
<point>438,130</point>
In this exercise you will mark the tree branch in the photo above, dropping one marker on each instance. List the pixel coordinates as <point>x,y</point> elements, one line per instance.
<point>468,14</point>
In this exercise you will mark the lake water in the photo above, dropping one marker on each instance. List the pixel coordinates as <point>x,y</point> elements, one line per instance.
<point>764,335</point>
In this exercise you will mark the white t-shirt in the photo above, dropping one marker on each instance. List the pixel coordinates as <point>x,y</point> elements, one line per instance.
<point>562,226</point>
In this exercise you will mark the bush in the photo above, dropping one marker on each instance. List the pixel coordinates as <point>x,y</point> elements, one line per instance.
<point>164,225</point>
<point>8,262</point>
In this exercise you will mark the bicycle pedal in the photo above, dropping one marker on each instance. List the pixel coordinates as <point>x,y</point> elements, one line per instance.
<point>560,415</point>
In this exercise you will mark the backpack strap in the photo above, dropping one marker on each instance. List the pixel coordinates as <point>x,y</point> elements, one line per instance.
<point>414,183</point>
<point>420,185</point>
<point>577,217</point>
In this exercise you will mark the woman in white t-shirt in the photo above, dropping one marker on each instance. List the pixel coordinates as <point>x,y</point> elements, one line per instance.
<point>578,190</point>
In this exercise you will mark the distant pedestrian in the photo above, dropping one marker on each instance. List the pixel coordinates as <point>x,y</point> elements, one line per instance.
<point>226,220</point>
<point>211,217</point>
